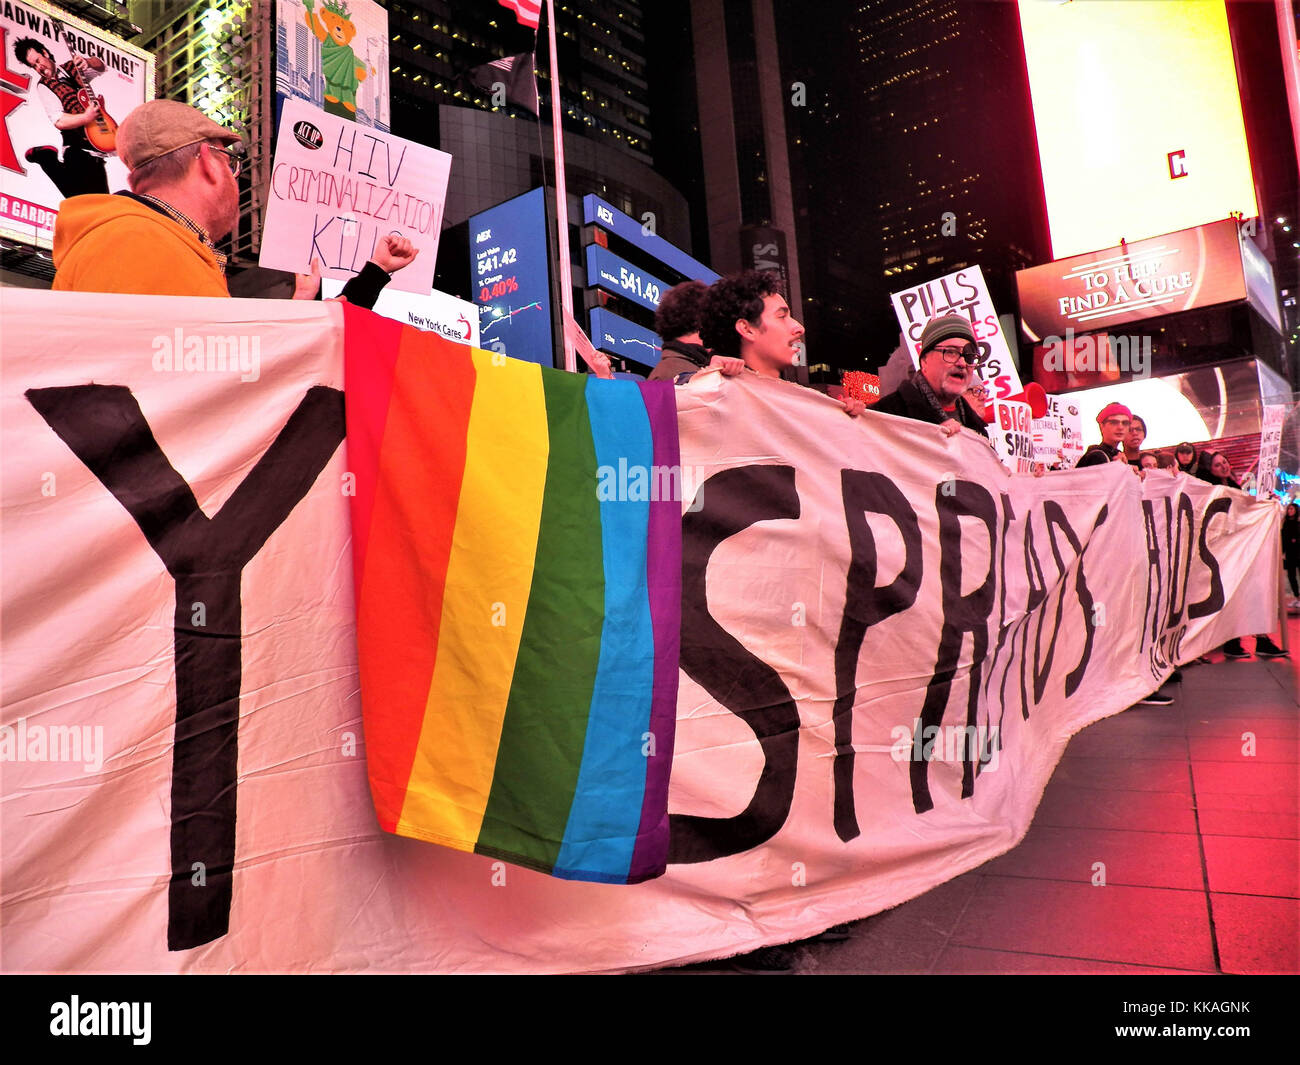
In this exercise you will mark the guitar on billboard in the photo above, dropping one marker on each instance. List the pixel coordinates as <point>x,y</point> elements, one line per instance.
<point>102,132</point>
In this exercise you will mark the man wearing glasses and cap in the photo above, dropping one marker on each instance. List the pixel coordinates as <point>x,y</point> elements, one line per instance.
<point>160,238</point>
<point>933,393</point>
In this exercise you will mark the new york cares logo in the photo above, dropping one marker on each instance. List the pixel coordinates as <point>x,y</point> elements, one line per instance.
<point>102,1018</point>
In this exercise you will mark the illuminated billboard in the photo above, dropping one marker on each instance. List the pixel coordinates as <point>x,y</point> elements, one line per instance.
<point>512,278</point>
<point>334,55</point>
<point>1196,267</point>
<point>1138,117</point>
<point>616,335</point>
<point>596,211</point>
<point>615,274</point>
<point>53,65</point>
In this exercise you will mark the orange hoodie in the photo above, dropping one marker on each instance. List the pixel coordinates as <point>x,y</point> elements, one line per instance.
<point>115,244</point>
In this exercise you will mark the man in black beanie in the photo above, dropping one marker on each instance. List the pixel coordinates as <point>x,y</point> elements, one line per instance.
<point>933,393</point>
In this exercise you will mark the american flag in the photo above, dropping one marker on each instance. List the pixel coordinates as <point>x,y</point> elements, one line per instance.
<point>528,12</point>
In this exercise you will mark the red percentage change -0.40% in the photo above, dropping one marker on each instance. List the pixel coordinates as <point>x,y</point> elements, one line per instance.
<point>501,288</point>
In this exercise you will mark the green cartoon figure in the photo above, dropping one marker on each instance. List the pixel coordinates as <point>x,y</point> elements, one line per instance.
<point>343,73</point>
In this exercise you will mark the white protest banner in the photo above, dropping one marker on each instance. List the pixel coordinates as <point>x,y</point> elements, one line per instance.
<point>39,82</point>
<point>1012,433</point>
<point>819,775</point>
<point>337,187</point>
<point>436,312</point>
<point>961,292</point>
<point>1270,446</point>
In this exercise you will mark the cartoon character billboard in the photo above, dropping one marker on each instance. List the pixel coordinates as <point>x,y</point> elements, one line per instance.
<point>334,54</point>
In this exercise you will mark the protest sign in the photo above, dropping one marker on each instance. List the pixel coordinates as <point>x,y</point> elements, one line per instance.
<point>1071,421</point>
<point>1012,433</point>
<point>1270,445</point>
<point>338,187</point>
<point>1048,442</point>
<point>961,292</point>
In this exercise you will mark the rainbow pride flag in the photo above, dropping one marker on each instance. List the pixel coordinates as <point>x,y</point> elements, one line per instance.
<point>517,632</point>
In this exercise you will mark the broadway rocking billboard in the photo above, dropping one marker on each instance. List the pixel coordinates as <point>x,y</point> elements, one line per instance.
<point>64,86</point>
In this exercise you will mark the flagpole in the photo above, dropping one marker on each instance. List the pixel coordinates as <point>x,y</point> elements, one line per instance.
<point>561,194</point>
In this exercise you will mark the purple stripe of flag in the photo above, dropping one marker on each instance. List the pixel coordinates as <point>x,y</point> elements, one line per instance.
<point>664,580</point>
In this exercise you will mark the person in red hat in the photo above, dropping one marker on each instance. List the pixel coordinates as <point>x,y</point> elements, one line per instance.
<point>1113,420</point>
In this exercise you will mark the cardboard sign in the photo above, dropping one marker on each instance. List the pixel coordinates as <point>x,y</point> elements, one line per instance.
<point>961,292</point>
<point>1270,445</point>
<point>1066,412</point>
<point>1046,432</point>
<point>1013,434</point>
<point>338,187</point>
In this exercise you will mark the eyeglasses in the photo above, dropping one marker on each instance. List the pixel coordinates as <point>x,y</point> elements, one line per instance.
<point>970,353</point>
<point>1123,422</point>
<point>234,157</point>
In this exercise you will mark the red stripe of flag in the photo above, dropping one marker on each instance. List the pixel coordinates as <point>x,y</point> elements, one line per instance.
<point>528,12</point>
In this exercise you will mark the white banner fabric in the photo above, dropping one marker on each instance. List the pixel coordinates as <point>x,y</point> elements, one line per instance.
<point>848,585</point>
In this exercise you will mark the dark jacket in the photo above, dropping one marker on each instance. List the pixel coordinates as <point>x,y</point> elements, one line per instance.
<point>1097,455</point>
<point>907,401</point>
<point>1291,541</point>
<point>679,357</point>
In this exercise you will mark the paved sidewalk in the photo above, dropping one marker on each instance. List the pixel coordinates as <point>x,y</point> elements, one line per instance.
<point>1200,843</point>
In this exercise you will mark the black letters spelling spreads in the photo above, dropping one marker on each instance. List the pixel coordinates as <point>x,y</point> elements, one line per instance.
<point>106,430</point>
<point>866,605</point>
<point>961,614</point>
<point>1213,600</point>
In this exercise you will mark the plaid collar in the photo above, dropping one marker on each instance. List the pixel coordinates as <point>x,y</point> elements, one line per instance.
<point>187,222</point>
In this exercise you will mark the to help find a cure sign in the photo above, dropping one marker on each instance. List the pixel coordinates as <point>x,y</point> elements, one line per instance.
<point>337,188</point>
<point>961,292</point>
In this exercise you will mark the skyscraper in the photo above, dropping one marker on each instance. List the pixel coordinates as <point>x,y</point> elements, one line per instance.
<point>602,59</point>
<point>918,157</point>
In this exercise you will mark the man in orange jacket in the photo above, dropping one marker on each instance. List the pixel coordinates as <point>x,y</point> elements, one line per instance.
<point>160,238</point>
